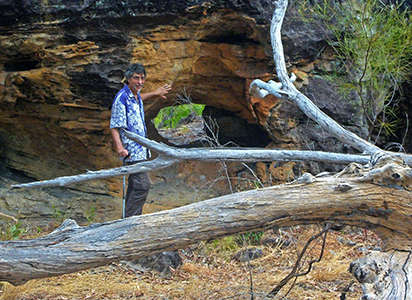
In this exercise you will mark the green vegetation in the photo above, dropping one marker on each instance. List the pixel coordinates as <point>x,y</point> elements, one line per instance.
<point>373,45</point>
<point>58,214</point>
<point>250,238</point>
<point>169,117</point>
<point>90,214</point>
<point>225,247</point>
<point>12,231</point>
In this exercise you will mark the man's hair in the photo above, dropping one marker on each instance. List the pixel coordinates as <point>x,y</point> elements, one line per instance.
<point>134,68</point>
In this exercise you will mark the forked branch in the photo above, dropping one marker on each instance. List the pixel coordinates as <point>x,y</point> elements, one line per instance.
<point>294,273</point>
<point>285,89</point>
<point>170,155</point>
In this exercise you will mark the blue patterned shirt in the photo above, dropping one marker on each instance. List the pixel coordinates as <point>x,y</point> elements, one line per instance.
<point>128,113</point>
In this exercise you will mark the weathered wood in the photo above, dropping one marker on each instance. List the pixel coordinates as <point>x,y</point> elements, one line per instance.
<point>303,102</point>
<point>344,199</point>
<point>287,90</point>
<point>388,282</point>
<point>170,155</point>
<point>384,275</point>
<point>152,165</point>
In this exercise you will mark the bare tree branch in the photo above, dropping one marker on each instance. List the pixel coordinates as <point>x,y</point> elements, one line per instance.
<point>158,163</point>
<point>170,155</point>
<point>285,89</point>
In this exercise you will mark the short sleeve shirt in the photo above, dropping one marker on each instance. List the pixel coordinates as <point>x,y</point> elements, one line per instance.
<point>128,113</point>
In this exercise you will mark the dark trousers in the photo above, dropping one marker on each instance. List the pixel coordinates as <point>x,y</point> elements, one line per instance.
<point>137,191</point>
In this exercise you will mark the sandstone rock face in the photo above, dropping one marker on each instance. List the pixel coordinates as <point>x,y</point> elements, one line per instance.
<point>62,63</point>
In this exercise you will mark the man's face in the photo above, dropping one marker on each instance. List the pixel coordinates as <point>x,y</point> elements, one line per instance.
<point>136,82</point>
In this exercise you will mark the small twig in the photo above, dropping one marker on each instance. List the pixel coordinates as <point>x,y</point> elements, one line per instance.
<point>291,287</point>
<point>325,231</point>
<point>3,215</point>
<point>225,169</point>
<point>406,273</point>
<point>253,174</point>
<point>406,128</point>
<point>251,281</point>
<point>295,268</point>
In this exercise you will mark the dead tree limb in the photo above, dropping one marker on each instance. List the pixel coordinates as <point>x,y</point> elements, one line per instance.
<point>386,210</point>
<point>285,89</point>
<point>152,165</point>
<point>295,269</point>
<point>169,155</point>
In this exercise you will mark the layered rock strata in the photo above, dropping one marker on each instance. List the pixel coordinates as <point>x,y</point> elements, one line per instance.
<point>62,62</point>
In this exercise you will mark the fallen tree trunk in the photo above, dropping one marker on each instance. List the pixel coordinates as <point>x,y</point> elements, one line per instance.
<point>358,201</point>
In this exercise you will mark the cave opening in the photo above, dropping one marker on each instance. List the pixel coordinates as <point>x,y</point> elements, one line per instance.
<point>200,125</point>
<point>235,131</point>
<point>21,64</point>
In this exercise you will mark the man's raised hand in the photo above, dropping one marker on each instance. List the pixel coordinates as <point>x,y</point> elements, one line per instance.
<point>163,90</point>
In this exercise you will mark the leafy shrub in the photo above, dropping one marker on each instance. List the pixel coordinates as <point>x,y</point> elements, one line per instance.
<point>90,214</point>
<point>373,44</point>
<point>222,247</point>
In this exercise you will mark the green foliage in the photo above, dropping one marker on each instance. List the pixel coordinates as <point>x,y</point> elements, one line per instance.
<point>12,231</point>
<point>169,117</point>
<point>389,122</point>
<point>226,246</point>
<point>250,238</point>
<point>58,214</point>
<point>373,42</point>
<point>223,247</point>
<point>90,214</point>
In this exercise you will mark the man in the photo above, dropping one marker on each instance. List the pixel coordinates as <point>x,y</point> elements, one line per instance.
<point>128,113</point>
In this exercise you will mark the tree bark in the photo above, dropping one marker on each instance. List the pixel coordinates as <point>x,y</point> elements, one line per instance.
<point>384,275</point>
<point>375,200</point>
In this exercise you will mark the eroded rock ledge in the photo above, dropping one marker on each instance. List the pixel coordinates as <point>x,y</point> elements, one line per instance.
<point>61,64</point>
